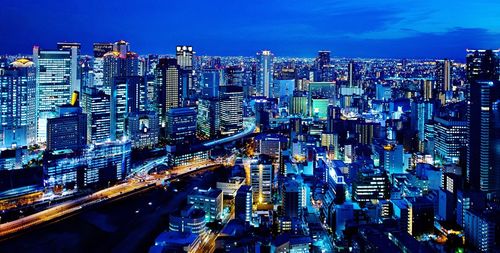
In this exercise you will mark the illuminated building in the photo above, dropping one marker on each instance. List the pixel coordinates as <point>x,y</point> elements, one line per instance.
<point>443,75</point>
<point>181,125</point>
<point>370,185</point>
<point>97,105</point>
<point>143,129</point>
<point>211,80</point>
<point>450,136</point>
<point>483,153</point>
<point>319,97</point>
<point>298,104</point>
<point>270,144</point>
<point>100,49</point>
<point>261,176</point>
<point>243,203</point>
<point>17,109</point>
<point>55,71</point>
<point>210,201</point>
<point>208,117</point>
<point>188,220</point>
<point>120,62</point>
<point>107,162</point>
<point>324,70</point>
<point>367,131</point>
<point>481,230</point>
<point>184,56</point>
<point>69,130</point>
<point>292,195</point>
<point>168,87</point>
<point>231,109</point>
<point>265,72</point>
<point>383,92</point>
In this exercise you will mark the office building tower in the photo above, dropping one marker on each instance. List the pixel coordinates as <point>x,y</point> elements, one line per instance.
<point>450,136</point>
<point>383,92</point>
<point>97,106</point>
<point>143,129</point>
<point>184,56</point>
<point>107,162</point>
<point>168,87</point>
<point>181,125</point>
<point>482,65</point>
<point>483,152</point>
<point>18,104</point>
<point>188,220</point>
<point>483,120</point>
<point>367,131</point>
<point>269,144</point>
<point>261,176</point>
<point>443,75</point>
<point>210,82</point>
<point>481,230</point>
<point>69,130</point>
<point>420,216</point>
<point>99,49</point>
<point>265,72</point>
<point>231,109</point>
<point>351,74</point>
<point>298,104</point>
<point>74,48</point>
<point>208,118</point>
<point>120,62</point>
<point>128,94</point>
<point>122,47</point>
<point>321,94</point>
<point>209,200</point>
<point>333,115</point>
<point>323,68</point>
<point>292,198</point>
<point>243,203</point>
<point>427,90</point>
<point>371,184</point>
<point>56,73</point>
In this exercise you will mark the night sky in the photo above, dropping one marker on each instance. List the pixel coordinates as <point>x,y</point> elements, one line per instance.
<point>349,28</point>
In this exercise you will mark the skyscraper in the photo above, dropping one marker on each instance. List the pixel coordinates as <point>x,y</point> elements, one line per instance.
<point>100,49</point>
<point>231,109</point>
<point>184,56</point>
<point>265,72</point>
<point>69,130</point>
<point>55,73</point>
<point>351,72</point>
<point>18,111</point>
<point>168,86</point>
<point>483,116</point>
<point>181,125</point>
<point>97,105</point>
<point>120,62</point>
<point>323,68</point>
<point>261,171</point>
<point>443,75</point>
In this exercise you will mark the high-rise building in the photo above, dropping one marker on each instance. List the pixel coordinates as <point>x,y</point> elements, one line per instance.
<point>168,87</point>
<point>128,94</point>
<point>483,116</point>
<point>56,73</point>
<point>208,117</point>
<point>265,72</point>
<point>443,75</point>
<point>324,70</point>
<point>450,136</point>
<point>292,198</point>
<point>97,105</point>
<point>370,184</point>
<point>261,176</point>
<point>121,62</point>
<point>481,230</point>
<point>181,125</point>
<point>231,109</point>
<point>100,49</point>
<point>17,106</point>
<point>143,129</point>
<point>243,203</point>
<point>184,56</point>
<point>69,130</point>
<point>482,65</point>
<point>351,74</point>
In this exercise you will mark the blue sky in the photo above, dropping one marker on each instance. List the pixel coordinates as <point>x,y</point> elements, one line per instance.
<point>361,28</point>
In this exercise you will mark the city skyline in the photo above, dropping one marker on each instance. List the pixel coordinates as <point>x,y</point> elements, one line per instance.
<point>361,29</point>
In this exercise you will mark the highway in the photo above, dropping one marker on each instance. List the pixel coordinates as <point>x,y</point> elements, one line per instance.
<point>248,124</point>
<point>138,179</point>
